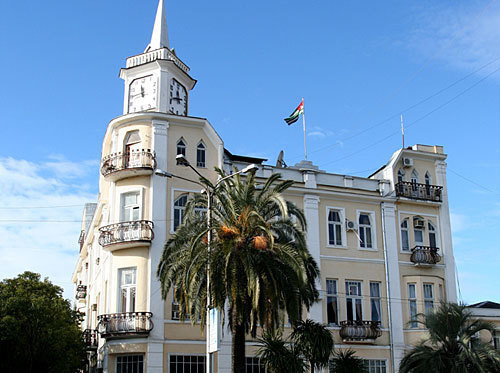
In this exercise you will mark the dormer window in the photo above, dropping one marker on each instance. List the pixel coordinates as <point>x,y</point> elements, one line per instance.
<point>200,155</point>
<point>181,147</point>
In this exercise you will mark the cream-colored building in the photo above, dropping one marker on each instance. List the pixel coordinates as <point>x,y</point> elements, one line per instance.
<point>383,242</point>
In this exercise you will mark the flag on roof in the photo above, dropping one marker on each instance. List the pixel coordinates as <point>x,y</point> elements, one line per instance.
<point>296,113</point>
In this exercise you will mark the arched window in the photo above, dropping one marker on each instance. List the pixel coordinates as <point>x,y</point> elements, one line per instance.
<point>179,207</point>
<point>414,176</point>
<point>181,147</point>
<point>132,149</point>
<point>405,237</point>
<point>432,235</point>
<point>365,231</point>
<point>200,155</point>
<point>334,228</point>
<point>428,180</point>
<point>401,176</point>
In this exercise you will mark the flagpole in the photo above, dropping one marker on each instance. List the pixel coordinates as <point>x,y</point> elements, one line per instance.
<point>402,131</point>
<point>304,125</point>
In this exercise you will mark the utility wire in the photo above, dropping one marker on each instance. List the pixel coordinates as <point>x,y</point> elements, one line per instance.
<point>418,120</point>
<point>473,182</point>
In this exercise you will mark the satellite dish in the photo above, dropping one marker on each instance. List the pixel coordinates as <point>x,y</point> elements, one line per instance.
<point>280,163</point>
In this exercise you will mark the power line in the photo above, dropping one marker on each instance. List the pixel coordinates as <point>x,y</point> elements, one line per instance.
<point>396,115</point>
<point>418,120</point>
<point>473,182</point>
<point>37,207</point>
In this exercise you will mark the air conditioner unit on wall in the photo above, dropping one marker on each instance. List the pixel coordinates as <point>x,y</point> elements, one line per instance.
<point>419,223</point>
<point>350,225</point>
<point>407,162</point>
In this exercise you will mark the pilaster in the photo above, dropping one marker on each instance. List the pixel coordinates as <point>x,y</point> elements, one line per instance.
<point>446,237</point>
<point>395,310</point>
<point>158,207</point>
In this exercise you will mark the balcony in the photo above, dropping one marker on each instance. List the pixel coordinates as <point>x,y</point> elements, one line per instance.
<point>360,331</point>
<point>418,191</point>
<point>90,339</point>
<point>120,165</point>
<point>425,255</point>
<point>125,325</point>
<point>81,292</point>
<point>126,234</point>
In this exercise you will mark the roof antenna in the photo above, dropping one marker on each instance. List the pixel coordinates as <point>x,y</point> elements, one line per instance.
<point>280,163</point>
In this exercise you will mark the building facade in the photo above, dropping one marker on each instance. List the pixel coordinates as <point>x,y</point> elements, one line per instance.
<point>383,243</point>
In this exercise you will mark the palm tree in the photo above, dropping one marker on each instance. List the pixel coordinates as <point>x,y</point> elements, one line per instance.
<point>347,362</point>
<point>259,263</point>
<point>452,345</point>
<point>278,355</point>
<point>314,341</point>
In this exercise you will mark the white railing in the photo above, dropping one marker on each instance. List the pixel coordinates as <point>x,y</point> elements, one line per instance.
<point>158,54</point>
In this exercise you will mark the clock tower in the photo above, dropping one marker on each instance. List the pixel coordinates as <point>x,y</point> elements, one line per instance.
<point>157,80</point>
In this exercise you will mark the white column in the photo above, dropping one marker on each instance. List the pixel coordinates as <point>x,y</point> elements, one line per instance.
<point>224,355</point>
<point>395,306</point>
<point>158,207</point>
<point>311,205</point>
<point>446,239</point>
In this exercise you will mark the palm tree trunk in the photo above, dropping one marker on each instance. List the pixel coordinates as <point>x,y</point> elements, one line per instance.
<point>238,349</point>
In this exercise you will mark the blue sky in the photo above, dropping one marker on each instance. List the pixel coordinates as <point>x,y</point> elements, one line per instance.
<point>358,64</point>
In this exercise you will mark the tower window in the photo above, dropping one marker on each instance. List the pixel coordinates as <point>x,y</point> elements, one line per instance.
<point>414,177</point>
<point>200,155</point>
<point>401,176</point>
<point>405,241</point>
<point>181,147</point>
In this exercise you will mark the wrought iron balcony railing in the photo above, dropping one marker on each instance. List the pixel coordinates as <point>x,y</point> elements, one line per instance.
<point>125,325</point>
<point>425,255</point>
<point>90,339</point>
<point>139,231</point>
<point>419,191</point>
<point>359,331</point>
<point>143,159</point>
<point>81,292</point>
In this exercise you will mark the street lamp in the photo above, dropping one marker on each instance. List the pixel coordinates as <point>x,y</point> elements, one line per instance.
<point>210,190</point>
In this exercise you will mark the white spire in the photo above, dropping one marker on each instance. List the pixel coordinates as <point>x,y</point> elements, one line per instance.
<point>159,38</point>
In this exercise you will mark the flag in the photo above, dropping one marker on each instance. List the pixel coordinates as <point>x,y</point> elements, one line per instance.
<point>296,113</point>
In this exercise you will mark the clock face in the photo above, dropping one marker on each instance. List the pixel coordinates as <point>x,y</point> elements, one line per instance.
<point>142,94</point>
<point>178,98</point>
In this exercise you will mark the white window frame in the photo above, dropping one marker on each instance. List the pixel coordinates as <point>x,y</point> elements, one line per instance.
<point>433,231</point>
<point>407,229</point>
<point>418,243</point>
<point>414,176</point>
<point>376,369</point>
<point>184,145</point>
<point>198,163</point>
<point>413,324</point>
<point>128,288</point>
<point>373,225</point>
<point>125,355</point>
<point>184,354</point>
<point>121,196</point>
<point>181,210</point>
<point>176,193</point>
<point>138,204</point>
<point>434,219</point>
<point>354,298</point>
<point>343,234</point>
<point>432,300</point>
<point>376,299</point>
<point>332,295</point>
<point>401,174</point>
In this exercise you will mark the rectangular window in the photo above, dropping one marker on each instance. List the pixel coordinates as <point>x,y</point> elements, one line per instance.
<point>405,239</point>
<point>375,301</point>
<point>127,278</point>
<point>332,305</point>
<point>187,364</point>
<point>419,236</point>
<point>496,339</point>
<point>334,228</point>
<point>353,300</point>
<point>428,298</point>
<point>130,208</point>
<point>130,364</point>
<point>365,231</point>
<point>253,365</point>
<point>412,304</point>
<point>375,366</point>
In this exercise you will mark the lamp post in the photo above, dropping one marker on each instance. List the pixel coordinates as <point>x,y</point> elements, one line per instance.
<point>210,190</point>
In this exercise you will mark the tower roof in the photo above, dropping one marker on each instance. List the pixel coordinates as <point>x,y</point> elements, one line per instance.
<point>159,38</point>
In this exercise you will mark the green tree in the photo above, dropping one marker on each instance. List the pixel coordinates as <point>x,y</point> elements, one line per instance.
<point>39,332</point>
<point>259,265</point>
<point>277,355</point>
<point>313,341</point>
<point>346,362</point>
<point>452,346</point>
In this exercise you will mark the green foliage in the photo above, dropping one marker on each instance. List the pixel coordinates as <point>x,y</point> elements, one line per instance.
<point>39,331</point>
<point>259,264</point>
<point>452,345</point>
<point>278,355</point>
<point>313,341</point>
<point>347,362</point>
